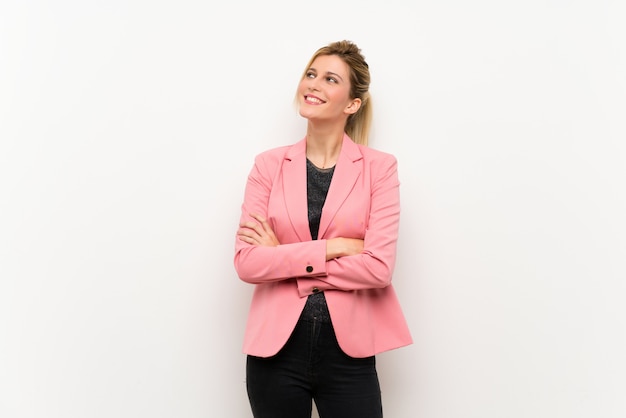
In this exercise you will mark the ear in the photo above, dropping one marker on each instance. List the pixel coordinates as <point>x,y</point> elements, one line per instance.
<point>353,106</point>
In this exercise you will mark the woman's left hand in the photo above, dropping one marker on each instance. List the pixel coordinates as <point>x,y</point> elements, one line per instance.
<point>260,233</point>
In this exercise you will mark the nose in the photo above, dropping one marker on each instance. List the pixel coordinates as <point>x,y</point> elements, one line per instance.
<point>312,85</point>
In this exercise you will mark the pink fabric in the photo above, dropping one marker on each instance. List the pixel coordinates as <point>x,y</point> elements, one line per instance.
<point>362,202</point>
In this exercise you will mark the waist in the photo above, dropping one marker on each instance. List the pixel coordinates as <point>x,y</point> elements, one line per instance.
<point>316,309</point>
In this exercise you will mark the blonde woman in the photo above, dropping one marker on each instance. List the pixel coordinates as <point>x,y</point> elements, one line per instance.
<point>317,239</point>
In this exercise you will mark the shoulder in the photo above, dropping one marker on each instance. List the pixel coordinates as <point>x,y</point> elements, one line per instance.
<point>372,153</point>
<point>281,153</point>
<point>269,162</point>
<point>369,155</point>
<point>378,159</point>
<point>272,154</point>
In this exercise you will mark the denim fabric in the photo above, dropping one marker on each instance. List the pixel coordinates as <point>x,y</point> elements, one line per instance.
<point>311,366</point>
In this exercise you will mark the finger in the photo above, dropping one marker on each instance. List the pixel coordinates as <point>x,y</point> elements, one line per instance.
<point>252,226</point>
<point>268,230</point>
<point>264,227</point>
<point>258,217</point>
<point>248,224</point>
<point>251,237</point>
<point>264,223</point>
<point>250,233</point>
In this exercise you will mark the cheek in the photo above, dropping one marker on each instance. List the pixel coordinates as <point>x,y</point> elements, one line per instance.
<point>303,85</point>
<point>339,95</point>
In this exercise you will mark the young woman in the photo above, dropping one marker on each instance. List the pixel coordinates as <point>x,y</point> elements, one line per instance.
<point>317,238</point>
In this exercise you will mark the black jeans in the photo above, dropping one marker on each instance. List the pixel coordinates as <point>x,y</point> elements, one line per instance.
<point>311,366</point>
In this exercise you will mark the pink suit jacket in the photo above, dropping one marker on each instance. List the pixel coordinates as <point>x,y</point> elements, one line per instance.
<point>362,202</point>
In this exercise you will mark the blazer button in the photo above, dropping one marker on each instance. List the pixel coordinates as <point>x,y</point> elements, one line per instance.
<point>315,290</point>
<point>309,269</point>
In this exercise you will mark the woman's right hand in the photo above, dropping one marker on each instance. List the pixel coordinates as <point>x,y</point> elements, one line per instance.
<point>257,233</point>
<point>341,247</point>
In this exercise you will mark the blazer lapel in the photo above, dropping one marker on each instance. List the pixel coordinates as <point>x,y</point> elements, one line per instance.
<point>295,189</point>
<point>347,171</point>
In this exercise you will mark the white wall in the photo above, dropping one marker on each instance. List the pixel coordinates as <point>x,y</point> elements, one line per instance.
<point>127,129</point>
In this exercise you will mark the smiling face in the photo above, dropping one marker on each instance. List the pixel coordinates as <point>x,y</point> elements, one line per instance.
<point>324,91</point>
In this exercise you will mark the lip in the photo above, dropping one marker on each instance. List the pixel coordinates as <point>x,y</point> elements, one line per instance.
<point>313,100</point>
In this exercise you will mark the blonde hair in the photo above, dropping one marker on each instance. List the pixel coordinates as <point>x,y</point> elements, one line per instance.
<point>359,123</point>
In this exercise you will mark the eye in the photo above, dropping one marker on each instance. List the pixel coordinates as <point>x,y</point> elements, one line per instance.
<point>310,74</point>
<point>331,79</point>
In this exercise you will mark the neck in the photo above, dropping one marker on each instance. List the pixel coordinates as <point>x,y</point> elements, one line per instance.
<point>323,147</point>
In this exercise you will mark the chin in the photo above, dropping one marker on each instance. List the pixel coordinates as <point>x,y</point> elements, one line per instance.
<point>305,114</point>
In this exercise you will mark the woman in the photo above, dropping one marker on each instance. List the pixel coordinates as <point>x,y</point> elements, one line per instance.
<point>317,238</point>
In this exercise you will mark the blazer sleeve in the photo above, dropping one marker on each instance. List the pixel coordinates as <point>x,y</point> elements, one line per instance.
<point>373,268</point>
<point>260,264</point>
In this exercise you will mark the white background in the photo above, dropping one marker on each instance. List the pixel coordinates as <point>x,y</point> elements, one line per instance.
<point>127,131</point>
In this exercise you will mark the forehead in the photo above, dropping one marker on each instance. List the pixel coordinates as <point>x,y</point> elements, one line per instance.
<point>332,64</point>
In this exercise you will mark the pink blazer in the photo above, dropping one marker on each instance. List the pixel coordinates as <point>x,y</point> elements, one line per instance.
<point>362,202</point>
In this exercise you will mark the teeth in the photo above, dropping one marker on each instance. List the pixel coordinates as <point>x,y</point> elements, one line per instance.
<point>313,99</point>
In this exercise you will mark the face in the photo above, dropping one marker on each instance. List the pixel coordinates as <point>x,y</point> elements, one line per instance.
<point>324,91</point>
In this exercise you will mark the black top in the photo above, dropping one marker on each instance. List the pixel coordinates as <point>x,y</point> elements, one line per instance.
<point>318,182</point>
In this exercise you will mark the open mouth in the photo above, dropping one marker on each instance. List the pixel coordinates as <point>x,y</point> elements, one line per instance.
<point>313,100</point>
